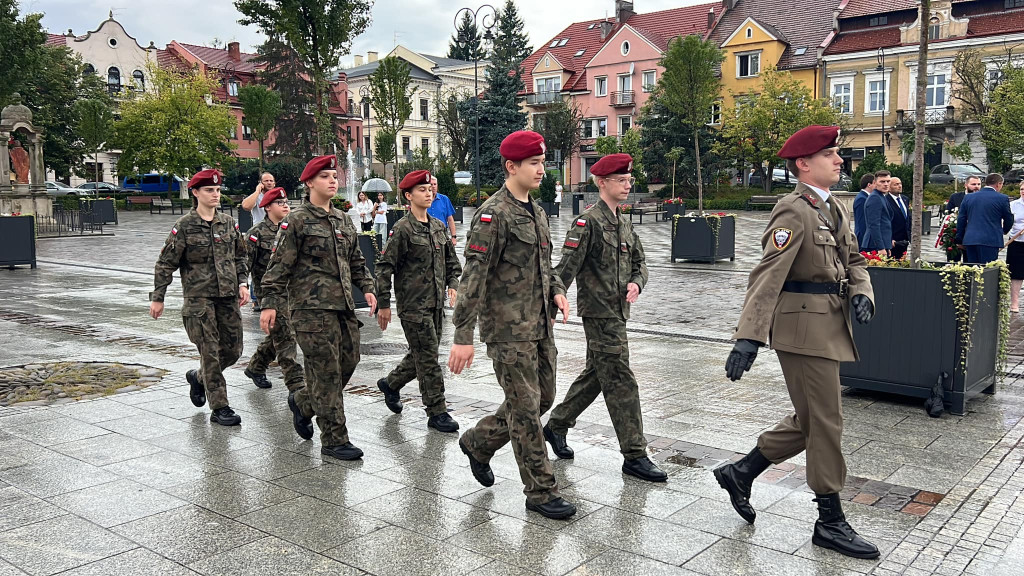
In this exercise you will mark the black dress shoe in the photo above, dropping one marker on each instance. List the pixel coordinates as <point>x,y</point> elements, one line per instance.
<point>644,469</point>
<point>196,392</point>
<point>260,380</point>
<point>738,478</point>
<point>556,509</point>
<point>482,472</point>
<point>344,452</point>
<point>558,444</point>
<point>392,399</point>
<point>833,532</point>
<point>443,422</point>
<point>303,426</point>
<point>225,417</point>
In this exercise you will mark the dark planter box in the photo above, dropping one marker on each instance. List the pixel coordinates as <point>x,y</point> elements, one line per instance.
<point>394,215</point>
<point>694,239</point>
<point>926,222</point>
<point>550,208</point>
<point>244,220</point>
<point>103,211</point>
<point>673,209</point>
<point>370,253</point>
<point>18,238</point>
<point>915,336</point>
<point>577,204</point>
<point>458,214</point>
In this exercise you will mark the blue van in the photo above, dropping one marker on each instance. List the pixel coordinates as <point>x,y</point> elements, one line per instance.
<point>151,183</point>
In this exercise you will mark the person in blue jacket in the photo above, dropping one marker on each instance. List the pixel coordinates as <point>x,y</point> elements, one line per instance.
<point>878,218</point>
<point>867,184</point>
<point>983,219</point>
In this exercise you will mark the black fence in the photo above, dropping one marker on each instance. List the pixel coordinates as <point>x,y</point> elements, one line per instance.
<point>69,222</point>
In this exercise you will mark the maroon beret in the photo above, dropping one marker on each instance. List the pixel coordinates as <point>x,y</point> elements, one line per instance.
<point>413,179</point>
<point>809,141</point>
<point>613,164</point>
<point>211,177</point>
<point>329,162</point>
<point>522,145</point>
<point>271,195</point>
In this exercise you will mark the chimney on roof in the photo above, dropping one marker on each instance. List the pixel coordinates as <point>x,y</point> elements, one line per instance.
<point>623,10</point>
<point>359,60</point>
<point>371,56</point>
<point>606,29</point>
<point>234,52</point>
<point>711,18</point>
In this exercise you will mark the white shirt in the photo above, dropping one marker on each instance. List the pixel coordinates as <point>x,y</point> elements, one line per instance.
<point>1017,207</point>
<point>364,209</point>
<point>558,193</point>
<point>381,218</point>
<point>258,214</point>
<point>825,194</point>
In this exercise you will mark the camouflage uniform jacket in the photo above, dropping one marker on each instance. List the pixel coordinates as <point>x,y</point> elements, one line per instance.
<point>423,263</point>
<point>315,261</point>
<point>260,242</point>
<point>211,257</point>
<point>507,282</point>
<point>603,254</point>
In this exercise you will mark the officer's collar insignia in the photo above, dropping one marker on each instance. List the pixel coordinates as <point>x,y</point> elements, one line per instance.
<point>781,237</point>
<point>812,198</point>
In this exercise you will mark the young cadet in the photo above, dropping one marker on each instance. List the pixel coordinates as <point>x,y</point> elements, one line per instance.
<point>810,277</point>
<point>311,272</point>
<point>605,257</point>
<point>280,343</point>
<point>509,285</point>
<point>422,259</point>
<point>206,246</point>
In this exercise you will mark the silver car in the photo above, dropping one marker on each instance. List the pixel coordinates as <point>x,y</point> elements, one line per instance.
<point>58,189</point>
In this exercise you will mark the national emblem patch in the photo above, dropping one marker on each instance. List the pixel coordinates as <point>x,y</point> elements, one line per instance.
<point>781,237</point>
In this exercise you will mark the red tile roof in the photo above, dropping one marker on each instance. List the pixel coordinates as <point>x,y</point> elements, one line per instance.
<point>218,58</point>
<point>977,26</point>
<point>999,23</point>
<point>856,8</point>
<point>167,59</point>
<point>56,40</point>
<point>803,24</point>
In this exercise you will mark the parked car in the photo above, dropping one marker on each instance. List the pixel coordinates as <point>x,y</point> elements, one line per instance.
<point>99,188</point>
<point>844,183</point>
<point>946,173</point>
<point>1014,176</point>
<point>463,177</point>
<point>59,189</point>
<point>152,183</point>
<point>778,179</point>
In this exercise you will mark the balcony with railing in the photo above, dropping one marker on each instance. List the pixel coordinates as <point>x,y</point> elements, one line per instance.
<point>624,98</point>
<point>932,117</point>
<point>543,98</point>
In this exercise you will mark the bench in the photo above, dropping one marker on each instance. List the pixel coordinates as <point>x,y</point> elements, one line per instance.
<point>641,209</point>
<point>138,201</point>
<point>763,201</point>
<point>160,203</point>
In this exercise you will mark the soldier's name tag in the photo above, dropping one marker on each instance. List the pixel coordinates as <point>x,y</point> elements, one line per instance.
<point>781,238</point>
<point>572,242</point>
<point>610,227</point>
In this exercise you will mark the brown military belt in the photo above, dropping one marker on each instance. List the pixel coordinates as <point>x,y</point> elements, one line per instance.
<point>839,288</point>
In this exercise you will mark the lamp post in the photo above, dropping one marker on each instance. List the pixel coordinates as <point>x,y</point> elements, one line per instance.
<point>885,93</point>
<point>364,99</point>
<point>481,18</point>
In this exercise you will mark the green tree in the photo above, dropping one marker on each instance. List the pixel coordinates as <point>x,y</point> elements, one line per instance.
<point>512,44</point>
<point>176,128</point>
<point>546,192</point>
<point>446,183</point>
<point>456,133</point>
<point>562,127</point>
<point>689,87</point>
<point>628,143</point>
<point>467,43</point>
<point>320,32</point>
<point>20,41</point>
<point>924,13</point>
<point>261,107</point>
<point>95,127</point>
<point>391,98</point>
<point>1003,123</point>
<point>284,71</point>
<point>384,147</point>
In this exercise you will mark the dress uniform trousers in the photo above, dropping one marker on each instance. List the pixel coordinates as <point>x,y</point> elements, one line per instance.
<point>330,345</point>
<point>214,325</point>
<point>424,337</point>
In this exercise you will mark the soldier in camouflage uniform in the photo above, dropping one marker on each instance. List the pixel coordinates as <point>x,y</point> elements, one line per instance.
<point>509,285</point>
<point>422,258</point>
<point>605,257</point>
<point>280,343</point>
<point>315,262</point>
<point>210,252</point>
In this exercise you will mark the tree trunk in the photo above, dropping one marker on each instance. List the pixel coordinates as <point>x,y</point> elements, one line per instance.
<point>261,157</point>
<point>96,165</point>
<point>673,179</point>
<point>919,135</point>
<point>700,181</point>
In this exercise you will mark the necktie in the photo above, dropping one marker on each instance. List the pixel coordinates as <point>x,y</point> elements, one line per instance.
<point>899,200</point>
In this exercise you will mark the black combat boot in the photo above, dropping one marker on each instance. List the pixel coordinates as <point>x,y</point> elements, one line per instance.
<point>260,380</point>
<point>737,479</point>
<point>558,444</point>
<point>833,532</point>
<point>303,426</point>
<point>443,422</point>
<point>644,469</point>
<point>481,471</point>
<point>196,392</point>
<point>225,417</point>
<point>345,451</point>
<point>392,399</point>
<point>556,509</point>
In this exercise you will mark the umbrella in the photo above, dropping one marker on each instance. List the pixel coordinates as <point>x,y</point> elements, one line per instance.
<point>377,185</point>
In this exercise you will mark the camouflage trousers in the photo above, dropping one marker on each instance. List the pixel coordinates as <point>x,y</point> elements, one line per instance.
<point>526,373</point>
<point>330,345</point>
<point>607,372</point>
<point>424,336</point>
<point>214,325</point>
<point>279,344</point>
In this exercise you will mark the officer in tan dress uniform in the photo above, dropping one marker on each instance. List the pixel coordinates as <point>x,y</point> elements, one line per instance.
<point>799,299</point>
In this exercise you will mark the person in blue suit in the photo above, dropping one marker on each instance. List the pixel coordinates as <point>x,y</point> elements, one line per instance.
<point>983,219</point>
<point>867,184</point>
<point>901,218</point>
<point>878,218</point>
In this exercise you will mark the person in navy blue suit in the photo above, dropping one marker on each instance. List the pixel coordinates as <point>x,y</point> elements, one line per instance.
<point>900,218</point>
<point>983,219</point>
<point>878,216</point>
<point>867,184</point>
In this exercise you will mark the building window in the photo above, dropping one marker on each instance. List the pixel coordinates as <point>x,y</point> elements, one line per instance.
<point>246,131</point>
<point>748,65</point>
<point>624,48</point>
<point>366,108</point>
<point>595,127</point>
<point>716,114</point>
<point>112,42</point>
<point>424,109</point>
<point>233,133</point>
<point>750,32</point>
<point>877,97</point>
<point>995,77</point>
<point>878,21</point>
<point>933,28</point>
<point>140,80</point>
<point>425,143</point>
<point>232,87</point>
<point>1014,3</point>
<point>549,85</point>
<point>406,146</point>
<point>113,79</point>
<point>601,86</point>
<point>625,123</point>
<point>649,80</point>
<point>351,105</point>
<point>842,97</point>
<point>625,82</point>
<point>366,145</point>
<point>89,70</point>
<point>935,91</point>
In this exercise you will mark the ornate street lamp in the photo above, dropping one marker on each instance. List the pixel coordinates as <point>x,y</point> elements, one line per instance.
<point>885,93</point>
<point>364,100</point>
<point>485,20</point>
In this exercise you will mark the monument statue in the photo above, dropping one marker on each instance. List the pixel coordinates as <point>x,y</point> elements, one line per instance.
<point>19,161</point>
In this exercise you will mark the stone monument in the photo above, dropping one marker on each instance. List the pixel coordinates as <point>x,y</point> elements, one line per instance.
<point>28,194</point>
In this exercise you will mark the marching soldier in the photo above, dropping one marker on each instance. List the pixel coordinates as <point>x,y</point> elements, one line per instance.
<point>509,286</point>
<point>605,256</point>
<point>206,246</point>
<point>280,344</point>
<point>799,298</point>
<point>311,272</point>
<point>422,259</point>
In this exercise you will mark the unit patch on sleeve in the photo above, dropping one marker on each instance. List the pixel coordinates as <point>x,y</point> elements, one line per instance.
<point>781,237</point>
<point>572,242</point>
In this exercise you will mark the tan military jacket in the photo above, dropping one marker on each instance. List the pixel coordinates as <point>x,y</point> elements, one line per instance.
<point>315,261</point>
<point>603,254</point>
<point>423,263</point>
<point>803,244</point>
<point>507,282</point>
<point>211,257</point>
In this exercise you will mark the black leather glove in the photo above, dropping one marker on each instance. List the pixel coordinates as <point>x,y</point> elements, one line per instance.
<point>741,358</point>
<point>863,309</point>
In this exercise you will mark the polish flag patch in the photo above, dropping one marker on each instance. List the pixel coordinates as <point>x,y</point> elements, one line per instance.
<point>174,231</point>
<point>253,238</point>
<point>485,217</point>
<point>581,222</point>
<point>236,225</point>
<point>284,225</point>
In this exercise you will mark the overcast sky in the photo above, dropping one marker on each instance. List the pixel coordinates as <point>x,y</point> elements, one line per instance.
<point>421,25</point>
